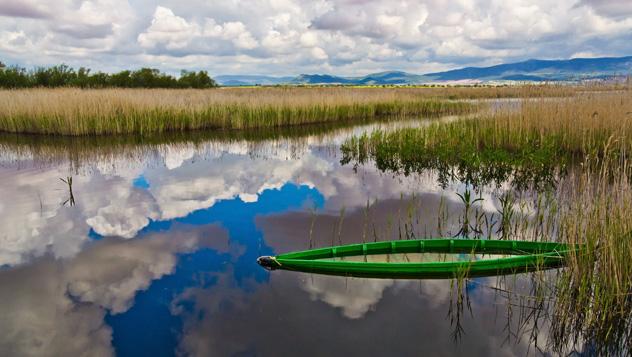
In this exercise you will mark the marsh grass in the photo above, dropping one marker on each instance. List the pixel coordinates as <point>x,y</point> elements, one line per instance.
<point>144,111</point>
<point>529,145</point>
<point>594,294</point>
<point>590,205</point>
<point>73,111</point>
<point>588,304</point>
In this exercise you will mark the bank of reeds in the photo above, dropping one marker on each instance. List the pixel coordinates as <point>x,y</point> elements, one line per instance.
<point>142,111</point>
<point>537,134</point>
<point>592,299</point>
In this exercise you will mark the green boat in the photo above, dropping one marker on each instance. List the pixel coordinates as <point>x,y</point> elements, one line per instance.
<point>523,257</point>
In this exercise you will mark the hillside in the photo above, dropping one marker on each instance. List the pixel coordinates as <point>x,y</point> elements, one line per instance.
<point>532,70</point>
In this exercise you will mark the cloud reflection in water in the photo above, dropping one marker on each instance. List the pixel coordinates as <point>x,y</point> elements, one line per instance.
<point>178,233</point>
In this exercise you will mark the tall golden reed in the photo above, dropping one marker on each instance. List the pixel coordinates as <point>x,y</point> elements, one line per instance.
<point>140,111</point>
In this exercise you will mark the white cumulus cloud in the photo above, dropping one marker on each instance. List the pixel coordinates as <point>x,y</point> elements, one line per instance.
<point>301,36</point>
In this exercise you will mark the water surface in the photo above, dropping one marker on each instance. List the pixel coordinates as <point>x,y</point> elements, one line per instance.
<point>152,251</point>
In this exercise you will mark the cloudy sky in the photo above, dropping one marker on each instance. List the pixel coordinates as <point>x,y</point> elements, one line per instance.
<point>285,37</point>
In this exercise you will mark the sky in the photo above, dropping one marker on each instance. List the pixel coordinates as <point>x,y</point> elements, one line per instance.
<point>288,37</point>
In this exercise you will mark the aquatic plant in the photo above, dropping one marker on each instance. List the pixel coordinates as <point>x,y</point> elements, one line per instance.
<point>455,155</point>
<point>590,301</point>
<point>71,197</point>
<point>530,145</point>
<point>594,294</point>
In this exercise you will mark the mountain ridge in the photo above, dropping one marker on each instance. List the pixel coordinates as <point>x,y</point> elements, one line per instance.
<point>531,70</point>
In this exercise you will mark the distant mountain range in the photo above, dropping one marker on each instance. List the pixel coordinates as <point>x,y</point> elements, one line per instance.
<point>249,80</point>
<point>530,71</point>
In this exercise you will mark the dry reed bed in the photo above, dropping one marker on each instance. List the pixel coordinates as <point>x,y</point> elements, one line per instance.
<point>141,111</point>
<point>577,126</point>
<point>71,111</point>
<point>591,125</point>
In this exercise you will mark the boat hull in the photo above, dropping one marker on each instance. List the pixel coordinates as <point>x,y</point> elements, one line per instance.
<point>526,257</point>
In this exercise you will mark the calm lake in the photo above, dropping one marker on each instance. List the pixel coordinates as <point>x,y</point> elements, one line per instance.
<point>150,248</point>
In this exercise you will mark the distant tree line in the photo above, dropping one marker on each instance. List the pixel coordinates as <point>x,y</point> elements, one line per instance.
<point>65,76</point>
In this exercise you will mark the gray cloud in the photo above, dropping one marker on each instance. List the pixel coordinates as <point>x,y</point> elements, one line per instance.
<point>611,8</point>
<point>85,31</point>
<point>333,21</point>
<point>22,9</point>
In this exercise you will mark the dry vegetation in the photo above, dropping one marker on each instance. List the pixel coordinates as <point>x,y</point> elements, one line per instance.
<point>583,125</point>
<point>71,111</point>
<point>140,111</point>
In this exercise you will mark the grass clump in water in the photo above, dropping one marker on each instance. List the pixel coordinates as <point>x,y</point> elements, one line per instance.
<point>455,153</point>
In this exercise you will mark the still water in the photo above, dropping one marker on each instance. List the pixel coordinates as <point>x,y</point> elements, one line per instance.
<point>152,251</point>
